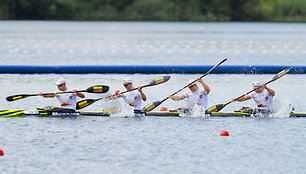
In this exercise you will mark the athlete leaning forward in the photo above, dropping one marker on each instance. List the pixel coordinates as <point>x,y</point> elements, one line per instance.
<point>196,96</point>
<point>132,98</point>
<point>67,100</point>
<point>263,97</point>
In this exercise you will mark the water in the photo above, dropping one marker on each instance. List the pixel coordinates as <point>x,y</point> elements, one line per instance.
<point>152,144</point>
<point>151,43</point>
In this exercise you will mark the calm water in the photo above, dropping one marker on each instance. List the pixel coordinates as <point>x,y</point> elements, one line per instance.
<point>152,144</point>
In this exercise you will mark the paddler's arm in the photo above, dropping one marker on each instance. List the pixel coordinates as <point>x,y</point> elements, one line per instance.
<point>177,97</point>
<point>205,86</point>
<point>142,95</point>
<point>46,95</point>
<point>79,94</point>
<point>270,91</point>
<point>246,97</point>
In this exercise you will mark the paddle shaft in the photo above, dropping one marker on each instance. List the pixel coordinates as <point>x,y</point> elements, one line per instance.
<point>52,93</point>
<point>273,79</point>
<point>119,93</point>
<point>85,103</point>
<point>155,104</point>
<point>195,80</point>
<point>91,101</point>
<point>63,92</point>
<point>92,89</point>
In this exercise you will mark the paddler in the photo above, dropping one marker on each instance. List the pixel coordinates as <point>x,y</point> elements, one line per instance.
<point>262,96</point>
<point>133,98</point>
<point>195,94</point>
<point>66,100</point>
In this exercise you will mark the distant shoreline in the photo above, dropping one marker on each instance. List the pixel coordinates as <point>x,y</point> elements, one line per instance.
<point>148,10</point>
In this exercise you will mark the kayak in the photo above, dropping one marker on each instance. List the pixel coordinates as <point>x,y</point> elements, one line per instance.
<point>215,114</point>
<point>46,113</point>
<point>174,113</point>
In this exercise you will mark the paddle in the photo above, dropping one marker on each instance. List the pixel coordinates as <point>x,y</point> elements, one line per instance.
<point>155,104</point>
<point>92,89</point>
<point>218,107</point>
<point>83,103</point>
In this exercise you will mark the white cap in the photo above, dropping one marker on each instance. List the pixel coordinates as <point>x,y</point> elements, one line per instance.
<point>257,83</point>
<point>128,80</point>
<point>60,81</point>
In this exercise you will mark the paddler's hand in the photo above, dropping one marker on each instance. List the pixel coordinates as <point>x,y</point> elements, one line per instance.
<point>40,94</point>
<point>79,94</point>
<point>117,95</point>
<point>233,100</point>
<point>264,85</point>
<point>199,79</point>
<point>171,96</point>
<point>139,88</point>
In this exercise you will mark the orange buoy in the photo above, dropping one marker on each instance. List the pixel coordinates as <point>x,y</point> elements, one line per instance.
<point>1,152</point>
<point>163,109</point>
<point>224,133</point>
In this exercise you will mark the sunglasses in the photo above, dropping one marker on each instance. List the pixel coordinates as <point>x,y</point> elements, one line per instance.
<point>126,84</point>
<point>61,84</point>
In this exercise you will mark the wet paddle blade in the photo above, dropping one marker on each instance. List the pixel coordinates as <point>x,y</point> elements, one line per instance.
<point>82,104</point>
<point>18,97</point>
<point>215,108</point>
<point>151,106</point>
<point>98,89</point>
<point>159,80</point>
<point>281,74</point>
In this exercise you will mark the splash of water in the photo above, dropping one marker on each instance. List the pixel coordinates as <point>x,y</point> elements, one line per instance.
<point>197,111</point>
<point>118,108</point>
<point>282,108</point>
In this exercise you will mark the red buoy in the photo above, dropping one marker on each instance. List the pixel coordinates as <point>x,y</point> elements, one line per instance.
<point>163,109</point>
<point>224,133</point>
<point>1,152</point>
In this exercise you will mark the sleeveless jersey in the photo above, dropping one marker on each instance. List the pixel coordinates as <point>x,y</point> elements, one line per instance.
<point>263,100</point>
<point>199,97</point>
<point>67,100</point>
<point>133,99</point>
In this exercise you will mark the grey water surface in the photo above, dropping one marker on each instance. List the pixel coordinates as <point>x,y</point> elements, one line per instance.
<point>118,144</point>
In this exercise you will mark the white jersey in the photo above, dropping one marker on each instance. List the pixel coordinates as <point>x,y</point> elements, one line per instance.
<point>133,99</point>
<point>263,100</point>
<point>199,97</point>
<point>67,100</point>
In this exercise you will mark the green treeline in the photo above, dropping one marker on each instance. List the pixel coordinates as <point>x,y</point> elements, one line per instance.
<point>155,10</point>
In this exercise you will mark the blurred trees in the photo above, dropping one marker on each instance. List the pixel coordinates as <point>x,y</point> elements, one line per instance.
<point>155,10</point>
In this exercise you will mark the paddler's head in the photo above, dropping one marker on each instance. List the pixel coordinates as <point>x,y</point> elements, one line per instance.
<point>193,87</point>
<point>128,83</point>
<point>61,84</point>
<point>257,84</point>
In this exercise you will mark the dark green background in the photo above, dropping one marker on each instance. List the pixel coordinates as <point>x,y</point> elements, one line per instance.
<point>155,10</point>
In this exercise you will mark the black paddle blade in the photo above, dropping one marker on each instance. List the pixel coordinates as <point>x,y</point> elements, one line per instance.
<point>151,106</point>
<point>159,80</point>
<point>18,97</point>
<point>215,108</point>
<point>82,104</point>
<point>98,89</point>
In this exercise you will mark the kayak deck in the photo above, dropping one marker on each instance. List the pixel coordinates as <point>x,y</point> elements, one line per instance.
<point>44,113</point>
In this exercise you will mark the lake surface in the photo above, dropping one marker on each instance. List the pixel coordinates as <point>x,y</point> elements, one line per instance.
<point>152,144</point>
